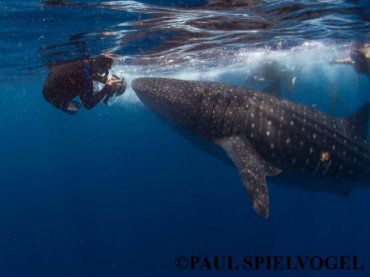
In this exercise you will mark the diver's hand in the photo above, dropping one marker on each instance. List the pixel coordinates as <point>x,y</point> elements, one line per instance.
<point>113,83</point>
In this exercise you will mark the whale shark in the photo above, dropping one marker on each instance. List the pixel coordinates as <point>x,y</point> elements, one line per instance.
<point>265,135</point>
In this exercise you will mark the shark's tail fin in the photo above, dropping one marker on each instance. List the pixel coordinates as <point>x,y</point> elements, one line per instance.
<point>358,121</point>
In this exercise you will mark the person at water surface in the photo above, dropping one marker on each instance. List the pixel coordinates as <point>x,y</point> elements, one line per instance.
<point>67,80</point>
<point>273,74</point>
<point>359,58</point>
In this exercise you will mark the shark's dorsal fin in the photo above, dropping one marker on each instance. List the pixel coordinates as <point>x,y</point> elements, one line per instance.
<point>358,121</point>
<point>252,170</point>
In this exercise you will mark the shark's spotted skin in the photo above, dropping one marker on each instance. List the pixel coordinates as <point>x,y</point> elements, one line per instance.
<point>264,135</point>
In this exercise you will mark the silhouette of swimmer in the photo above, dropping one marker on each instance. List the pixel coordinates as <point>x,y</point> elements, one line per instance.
<point>67,80</point>
<point>359,58</point>
<point>274,75</point>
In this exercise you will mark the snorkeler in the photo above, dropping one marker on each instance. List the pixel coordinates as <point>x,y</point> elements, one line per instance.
<point>359,58</point>
<point>274,75</point>
<point>67,80</point>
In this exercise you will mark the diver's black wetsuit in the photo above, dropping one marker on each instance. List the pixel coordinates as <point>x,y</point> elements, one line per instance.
<point>359,58</point>
<point>360,62</point>
<point>66,80</point>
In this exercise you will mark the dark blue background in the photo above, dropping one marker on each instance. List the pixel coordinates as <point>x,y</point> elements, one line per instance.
<point>115,190</point>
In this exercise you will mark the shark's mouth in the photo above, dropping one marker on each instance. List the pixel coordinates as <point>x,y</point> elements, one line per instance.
<point>140,86</point>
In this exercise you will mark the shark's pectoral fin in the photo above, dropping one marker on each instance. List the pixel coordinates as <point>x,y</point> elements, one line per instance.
<point>252,170</point>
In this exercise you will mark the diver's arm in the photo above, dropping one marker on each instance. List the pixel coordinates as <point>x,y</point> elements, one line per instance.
<point>100,78</point>
<point>342,61</point>
<point>88,98</point>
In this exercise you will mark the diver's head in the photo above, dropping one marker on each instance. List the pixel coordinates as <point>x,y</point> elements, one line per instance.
<point>101,64</point>
<point>358,55</point>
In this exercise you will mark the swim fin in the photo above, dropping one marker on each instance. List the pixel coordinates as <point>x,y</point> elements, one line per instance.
<point>72,107</point>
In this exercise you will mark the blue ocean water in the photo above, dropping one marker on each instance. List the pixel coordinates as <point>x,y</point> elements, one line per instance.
<point>115,190</point>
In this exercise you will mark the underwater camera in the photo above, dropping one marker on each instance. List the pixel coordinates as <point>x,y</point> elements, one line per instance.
<point>121,89</point>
